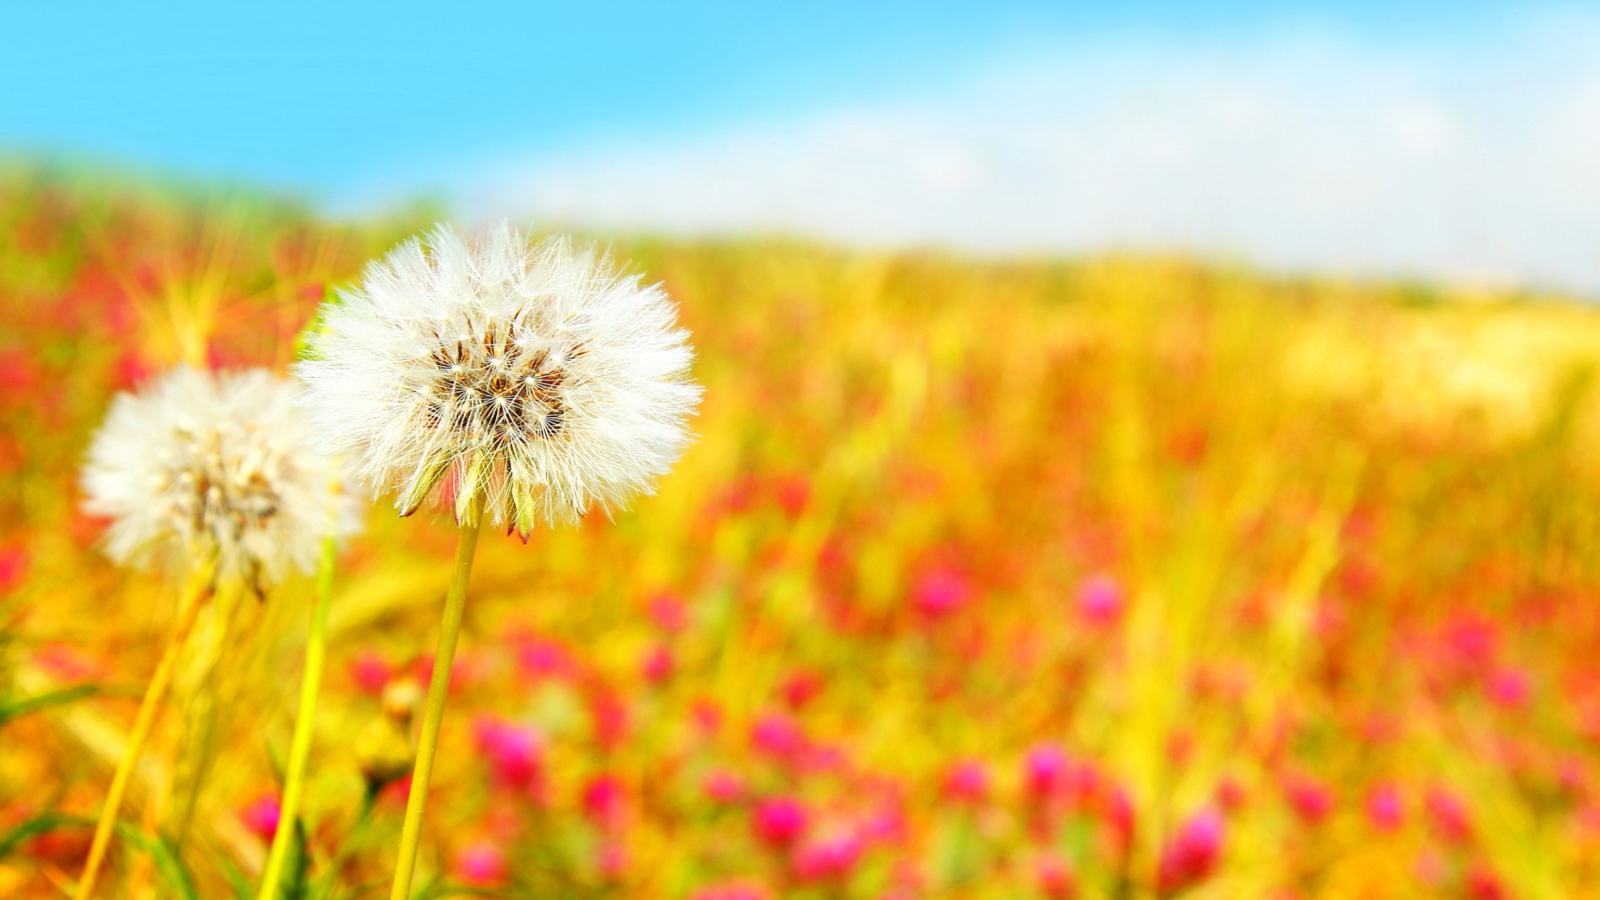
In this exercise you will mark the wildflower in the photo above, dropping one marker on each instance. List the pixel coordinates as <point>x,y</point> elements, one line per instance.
<point>1311,800</point>
<point>68,664</point>
<point>1385,809</point>
<point>669,613</point>
<point>1449,814</point>
<point>1509,688</point>
<point>481,863</point>
<point>604,799</point>
<point>1484,884</point>
<point>261,816</point>
<point>1192,853</point>
<point>371,672</point>
<point>828,858</point>
<point>1121,817</point>
<point>1231,794</point>
<point>1057,879</point>
<point>610,715</point>
<point>707,715</point>
<point>1100,599</point>
<point>539,379</point>
<point>780,821</point>
<point>778,736</point>
<point>13,566</point>
<point>801,688</point>
<point>611,858</point>
<point>967,781</point>
<point>723,786</point>
<point>940,592</point>
<point>215,463</point>
<point>543,658</point>
<point>515,755</point>
<point>659,665</point>
<point>1045,770</point>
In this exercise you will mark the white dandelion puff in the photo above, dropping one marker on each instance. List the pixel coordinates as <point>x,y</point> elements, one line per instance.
<point>537,378</point>
<point>203,463</point>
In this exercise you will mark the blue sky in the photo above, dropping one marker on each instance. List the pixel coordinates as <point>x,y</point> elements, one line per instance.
<point>871,123</point>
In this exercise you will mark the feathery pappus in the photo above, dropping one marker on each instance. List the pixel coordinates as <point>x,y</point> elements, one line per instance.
<point>537,377</point>
<point>199,462</point>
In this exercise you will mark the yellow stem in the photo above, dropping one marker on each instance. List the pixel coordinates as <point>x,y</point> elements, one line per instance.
<point>455,602</point>
<point>194,598</point>
<point>300,744</point>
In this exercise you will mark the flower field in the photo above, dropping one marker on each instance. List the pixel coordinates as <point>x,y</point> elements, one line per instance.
<point>1102,578</point>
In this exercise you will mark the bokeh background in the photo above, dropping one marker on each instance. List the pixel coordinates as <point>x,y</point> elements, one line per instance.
<point>1148,451</point>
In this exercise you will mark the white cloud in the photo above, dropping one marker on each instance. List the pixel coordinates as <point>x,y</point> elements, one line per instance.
<point>1478,162</point>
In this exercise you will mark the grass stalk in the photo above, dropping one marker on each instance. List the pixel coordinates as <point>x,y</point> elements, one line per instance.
<point>300,744</point>
<point>194,596</point>
<point>455,602</point>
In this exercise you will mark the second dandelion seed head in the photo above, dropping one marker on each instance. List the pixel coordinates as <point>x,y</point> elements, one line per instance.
<point>209,464</point>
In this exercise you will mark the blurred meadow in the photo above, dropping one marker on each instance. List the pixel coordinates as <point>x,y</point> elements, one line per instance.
<point>1114,577</point>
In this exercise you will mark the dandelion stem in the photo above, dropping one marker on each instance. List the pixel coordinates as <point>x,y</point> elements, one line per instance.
<point>300,744</point>
<point>455,602</point>
<point>194,598</point>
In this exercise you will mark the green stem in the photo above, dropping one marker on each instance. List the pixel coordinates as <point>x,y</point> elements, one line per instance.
<point>300,745</point>
<point>188,610</point>
<point>455,602</point>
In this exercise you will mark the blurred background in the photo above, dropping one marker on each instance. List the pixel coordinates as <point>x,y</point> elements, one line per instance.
<point>1149,450</point>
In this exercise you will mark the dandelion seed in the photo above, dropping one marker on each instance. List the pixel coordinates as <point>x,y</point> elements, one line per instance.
<point>202,463</point>
<point>534,382</point>
<point>211,472</point>
<point>538,379</point>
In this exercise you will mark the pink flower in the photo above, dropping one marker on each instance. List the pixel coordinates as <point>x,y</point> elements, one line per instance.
<point>1448,814</point>
<point>371,672</point>
<point>604,800</point>
<point>543,658</point>
<point>1122,818</point>
<point>801,688</point>
<point>723,786</point>
<point>780,821</point>
<point>1084,781</point>
<point>130,370</point>
<point>886,825</point>
<point>612,859</point>
<point>939,593</point>
<point>1231,794</point>
<point>670,613</point>
<point>13,566</point>
<point>1510,688</point>
<point>967,781</point>
<point>1311,800</point>
<point>829,858</point>
<point>67,663</point>
<point>1385,809</point>
<point>777,735</point>
<point>1191,854</point>
<point>1056,878</point>
<point>659,665</point>
<point>1100,599</point>
<point>480,863</point>
<point>707,716</point>
<point>515,755</point>
<point>261,817</point>
<point>610,719</point>
<point>1045,770</point>
<point>1483,884</point>
<point>1472,641</point>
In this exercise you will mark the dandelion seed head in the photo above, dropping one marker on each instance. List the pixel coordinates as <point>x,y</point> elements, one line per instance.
<point>205,463</point>
<point>536,376</point>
